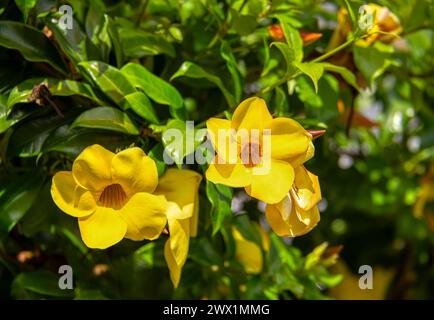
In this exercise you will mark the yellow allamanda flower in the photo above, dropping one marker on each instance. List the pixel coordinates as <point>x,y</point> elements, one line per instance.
<point>384,21</point>
<point>248,253</point>
<point>297,213</point>
<point>289,145</point>
<point>180,188</point>
<point>112,196</point>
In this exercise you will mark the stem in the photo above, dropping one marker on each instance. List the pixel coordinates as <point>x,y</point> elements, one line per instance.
<point>334,51</point>
<point>142,11</point>
<point>297,73</point>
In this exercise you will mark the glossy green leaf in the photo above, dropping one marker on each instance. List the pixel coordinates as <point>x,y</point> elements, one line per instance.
<point>108,79</point>
<point>31,43</point>
<point>139,44</point>
<point>231,64</point>
<point>22,92</point>
<point>106,118</point>
<point>220,198</point>
<point>156,88</point>
<point>141,105</point>
<point>292,37</point>
<point>17,199</point>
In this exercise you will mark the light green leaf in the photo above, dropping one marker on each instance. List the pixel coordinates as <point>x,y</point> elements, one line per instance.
<point>156,88</point>
<point>140,104</point>
<point>106,118</point>
<point>292,37</point>
<point>348,76</point>
<point>231,64</point>
<point>139,44</point>
<point>312,70</point>
<point>109,80</point>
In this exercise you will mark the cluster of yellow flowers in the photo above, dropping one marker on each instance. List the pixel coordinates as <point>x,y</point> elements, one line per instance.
<point>289,190</point>
<point>116,196</point>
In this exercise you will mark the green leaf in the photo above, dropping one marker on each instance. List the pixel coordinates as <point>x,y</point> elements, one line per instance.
<point>288,55</point>
<point>139,44</point>
<point>247,229</point>
<point>96,26</point>
<point>156,88</point>
<point>29,136</point>
<point>73,42</point>
<point>106,118</point>
<point>191,70</point>
<point>312,70</point>
<point>39,282</point>
<point>25,6</point>
<point>176,146</point>
<point>22,92</point>
<point>156,153</point>
<point>31,43</point>
<point>141,105</point>
<point>73,140</point>
<point>116,41</point>
<point>243,24</point>
<point>17,199</point>
<point>280,102</point>
<point>292,37</point>
<point>109,80</point>
<point>231,64</point>
<point>220,198</point>
<point>348,76</point>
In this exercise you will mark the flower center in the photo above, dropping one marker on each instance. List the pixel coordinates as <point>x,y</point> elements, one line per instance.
<point>251,154</point>
<point>113,196</point>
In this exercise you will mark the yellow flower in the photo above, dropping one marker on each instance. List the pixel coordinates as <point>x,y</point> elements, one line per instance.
<point>297,213</point>
<point>248,253</point>
<point>289,146</point>
<point>384,21</point>
<point>180,188</point>
<point>112,196</point>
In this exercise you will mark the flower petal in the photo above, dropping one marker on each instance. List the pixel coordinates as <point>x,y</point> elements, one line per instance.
<point>288,138</point>
<point>134,171</point>
<point>252,113</point>
<point>181,187</point>
<point>307,192</point>
<point>223,139</point>
<point>247,253</point>
<point>179,239</point>
<point>284,219</point>
<point>272,187</point>
<point>92,168</point>
<point>302,158</point>
<point>145,215</point>
<point>70,197</point>
<point>232,175</point>
<point>174,269</point>
<point>104,228</point>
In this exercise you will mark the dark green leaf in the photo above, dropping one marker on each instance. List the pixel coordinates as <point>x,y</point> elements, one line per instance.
<point>106,118</point>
